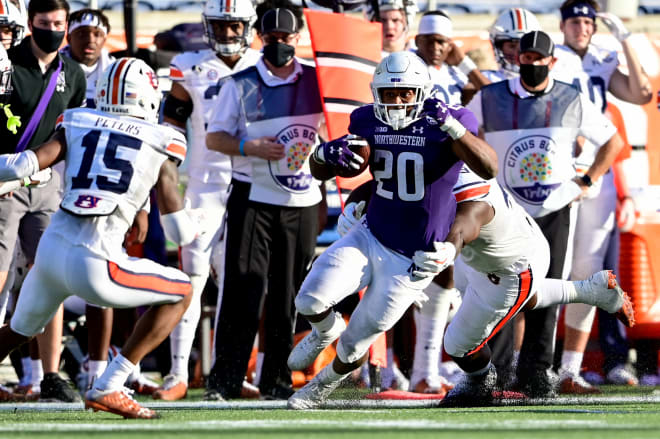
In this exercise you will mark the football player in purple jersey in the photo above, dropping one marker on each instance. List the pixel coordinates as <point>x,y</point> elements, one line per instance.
<point>418,146</point>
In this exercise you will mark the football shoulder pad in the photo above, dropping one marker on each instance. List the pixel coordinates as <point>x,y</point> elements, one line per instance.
<point>183,63</point>
<point>174,144</point>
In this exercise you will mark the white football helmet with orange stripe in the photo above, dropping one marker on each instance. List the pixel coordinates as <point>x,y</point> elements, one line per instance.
<point>511,25</point>
<point>12,17</point>
<point>228,10</point>
<point>129,87</point>
<point>5,76</point>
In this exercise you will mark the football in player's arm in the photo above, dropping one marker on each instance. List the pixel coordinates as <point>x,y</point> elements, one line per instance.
<point>475,152</point>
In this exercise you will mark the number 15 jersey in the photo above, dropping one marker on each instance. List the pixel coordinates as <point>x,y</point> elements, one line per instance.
<point>112,162</point>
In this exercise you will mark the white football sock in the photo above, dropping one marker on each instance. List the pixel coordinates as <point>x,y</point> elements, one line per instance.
<point>37,372</point>
<point>183,335</point>
<point>328,375</point>
<point>96,369</point>
<point>257,369</point>
<point>430,322</point>
<point>115,374</point>
<point>553,292</point>
<point>327,324</point>
<point>26,379</point>
<point>571,362</point>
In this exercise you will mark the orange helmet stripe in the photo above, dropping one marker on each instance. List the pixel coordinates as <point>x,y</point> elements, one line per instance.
<point>115,81</point>
<point>519,19</point>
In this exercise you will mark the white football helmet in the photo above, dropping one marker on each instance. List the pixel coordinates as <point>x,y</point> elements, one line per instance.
<point>511,25</point>
<point>409,8</point>
<point>229,10</point>
<point>129,87</point>
<point>401,70</point>
<point>6,70</point>
<point>12,17</point>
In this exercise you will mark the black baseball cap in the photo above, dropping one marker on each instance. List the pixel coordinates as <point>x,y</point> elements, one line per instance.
<point>537,41</point>
<point>279,20</point>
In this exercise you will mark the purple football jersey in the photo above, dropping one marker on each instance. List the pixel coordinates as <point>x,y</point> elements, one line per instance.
<point>414,172</point>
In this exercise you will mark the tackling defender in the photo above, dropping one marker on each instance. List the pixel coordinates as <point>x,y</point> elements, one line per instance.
<point>503,255</point>
<point>114,156</point>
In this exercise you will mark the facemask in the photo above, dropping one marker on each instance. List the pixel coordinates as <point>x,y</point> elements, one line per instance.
<point>47,40</point>
<point>397,117</point>
<point>228,49</point>
<point>533,75</point>
<point>278,53</point>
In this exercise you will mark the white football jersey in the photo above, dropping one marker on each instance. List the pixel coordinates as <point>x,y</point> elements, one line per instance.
<point>499,75</point>
<point>507,237</point>
<point>201,73</point>
<point>448,83</point>
<point>92,73</point>
<point>112,162</point>
<point>591,74</point>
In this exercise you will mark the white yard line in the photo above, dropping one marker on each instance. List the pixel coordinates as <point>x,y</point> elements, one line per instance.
<point>334,404</point>
<point>369,425</point>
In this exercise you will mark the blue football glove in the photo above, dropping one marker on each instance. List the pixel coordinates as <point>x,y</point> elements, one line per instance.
<point>338,152</point>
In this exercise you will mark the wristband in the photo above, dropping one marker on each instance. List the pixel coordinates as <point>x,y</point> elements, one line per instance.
<point>454,128</point>
<point>586,180</point>
<point>241,148</point>
<point>466,65</point>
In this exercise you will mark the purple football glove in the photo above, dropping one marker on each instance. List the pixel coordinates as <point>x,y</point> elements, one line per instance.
<point>437,109</point>
<point>442,112</point>
<point>338,152</point>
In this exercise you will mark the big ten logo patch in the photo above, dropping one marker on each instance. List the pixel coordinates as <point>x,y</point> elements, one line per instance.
<point>292,172</point>
<point>529,168</point>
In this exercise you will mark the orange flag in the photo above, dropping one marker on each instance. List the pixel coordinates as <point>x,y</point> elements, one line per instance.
<point>346,51</point>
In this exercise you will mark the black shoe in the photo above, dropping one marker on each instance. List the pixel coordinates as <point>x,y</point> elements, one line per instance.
<point>539,384</point>
<point>55,389</point>
<point>472,391</point>
<point>276,393</point>
<point>213,395</point>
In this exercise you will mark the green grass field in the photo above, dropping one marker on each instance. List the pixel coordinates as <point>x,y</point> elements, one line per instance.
<point>619,413</point>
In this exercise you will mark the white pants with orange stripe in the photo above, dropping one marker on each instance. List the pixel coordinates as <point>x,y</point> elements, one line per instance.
<point>62,269</point>
<point>490,300</point>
